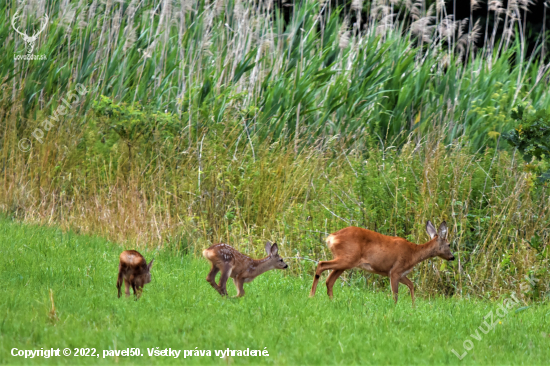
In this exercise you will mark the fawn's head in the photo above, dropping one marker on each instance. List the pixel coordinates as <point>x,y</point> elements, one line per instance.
<point>274,259</point>
<point>443,247</point>
<point>145,276</point>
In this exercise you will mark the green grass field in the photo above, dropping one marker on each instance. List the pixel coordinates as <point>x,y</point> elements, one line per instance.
<point>180,310</point>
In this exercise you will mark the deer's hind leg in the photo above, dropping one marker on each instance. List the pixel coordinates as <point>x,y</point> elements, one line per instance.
<point>325,266</point>
<point>226,271</point>
<point>332,279</point>
<point>211,278</point>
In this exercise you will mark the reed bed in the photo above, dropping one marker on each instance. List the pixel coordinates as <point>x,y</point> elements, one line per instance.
<point>326,72</point>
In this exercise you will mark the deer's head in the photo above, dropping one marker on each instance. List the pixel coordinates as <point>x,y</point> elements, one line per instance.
<point>443,247</point>
<point>275,260</point>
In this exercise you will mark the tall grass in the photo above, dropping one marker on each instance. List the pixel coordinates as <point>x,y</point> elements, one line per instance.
<point>228,190</point>
<point>403,68</point>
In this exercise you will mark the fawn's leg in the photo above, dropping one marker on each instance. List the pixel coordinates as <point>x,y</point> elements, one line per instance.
<point>126,288</point>
<point>223,280</point>
<point>211,278</point>
<point>119,281</point>
<point>239,284</point>
<point>136,296</point>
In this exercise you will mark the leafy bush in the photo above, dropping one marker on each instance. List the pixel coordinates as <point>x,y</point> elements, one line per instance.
<point>532,138</point>
<point>135,125</point>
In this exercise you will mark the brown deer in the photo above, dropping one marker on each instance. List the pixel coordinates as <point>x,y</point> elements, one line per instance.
<point>238,266</point>
<point>135,272</point>
<point>389,256</point>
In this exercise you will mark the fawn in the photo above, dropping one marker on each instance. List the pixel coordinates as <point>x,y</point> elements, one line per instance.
<point>238,266</point>
<point>135,272</point>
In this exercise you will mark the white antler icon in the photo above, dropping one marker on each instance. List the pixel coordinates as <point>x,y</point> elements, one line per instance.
<point>29,41</point>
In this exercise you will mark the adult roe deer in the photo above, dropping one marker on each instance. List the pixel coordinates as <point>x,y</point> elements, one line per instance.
<point>389,256</point>
<point>238,266</point>
<point>135,272</point>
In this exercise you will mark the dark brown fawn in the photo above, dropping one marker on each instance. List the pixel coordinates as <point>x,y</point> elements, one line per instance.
<point>135,272</point>
<point>238,266</point>
<point>388,256</point>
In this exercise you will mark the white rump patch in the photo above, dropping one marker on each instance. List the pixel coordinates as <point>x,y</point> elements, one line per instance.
<point>329,241</point>
<point>207,254</point>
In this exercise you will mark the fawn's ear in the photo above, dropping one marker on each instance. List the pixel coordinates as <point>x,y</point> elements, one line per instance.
<point>268,248</point>
<point>274,249</point>
<point>150,264</point>
<point>442,232</point>
<point>431,229</point>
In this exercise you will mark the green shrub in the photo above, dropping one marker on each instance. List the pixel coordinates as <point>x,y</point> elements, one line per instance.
<point>532,138</point>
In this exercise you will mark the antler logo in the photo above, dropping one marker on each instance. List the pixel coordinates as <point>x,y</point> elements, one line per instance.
<point>29,40</point>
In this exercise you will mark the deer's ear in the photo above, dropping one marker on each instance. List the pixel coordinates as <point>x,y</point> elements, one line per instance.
<point>442,232</point>
<point>150,264</point>
<point>268,247</point>
<point>431,229</point>
<point>274,249</point>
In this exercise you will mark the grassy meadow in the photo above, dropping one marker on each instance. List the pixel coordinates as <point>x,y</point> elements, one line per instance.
<point>58,291</point>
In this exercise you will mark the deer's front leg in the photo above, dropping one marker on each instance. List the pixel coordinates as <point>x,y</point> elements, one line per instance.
<point>406,281</point>
<point>394,280</point>
<point>119,282</point>
<point>239,284</point>
<point>127,288</point>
